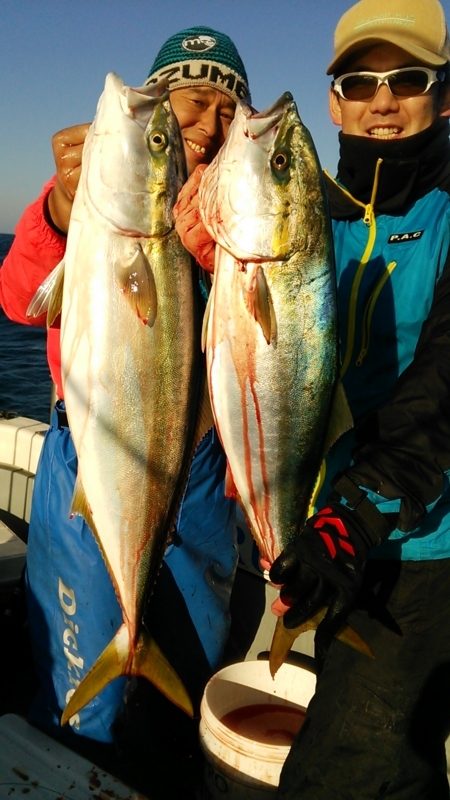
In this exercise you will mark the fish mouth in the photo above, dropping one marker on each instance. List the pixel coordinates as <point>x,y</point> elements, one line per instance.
<point>259,122</point>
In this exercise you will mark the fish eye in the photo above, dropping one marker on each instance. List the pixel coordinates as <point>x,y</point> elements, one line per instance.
<point>281,160</point>
<point>157,141</point>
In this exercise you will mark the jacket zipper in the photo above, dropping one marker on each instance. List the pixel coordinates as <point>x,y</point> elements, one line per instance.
<point>369,219</point>
<point>368,313</point>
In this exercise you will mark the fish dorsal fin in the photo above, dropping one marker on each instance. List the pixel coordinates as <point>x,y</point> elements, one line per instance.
<point>205,419</point>
<point>48,297</point>
<point>81,506</point>
<point>341,419</point>
<point>137,282</point>
<point>258,301</point>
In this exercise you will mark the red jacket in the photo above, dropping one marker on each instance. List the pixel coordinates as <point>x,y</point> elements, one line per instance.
<point>36,250</point>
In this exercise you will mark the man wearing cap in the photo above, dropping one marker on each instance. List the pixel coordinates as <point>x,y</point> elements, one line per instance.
<point>377,552</point>
<point>73,610</point>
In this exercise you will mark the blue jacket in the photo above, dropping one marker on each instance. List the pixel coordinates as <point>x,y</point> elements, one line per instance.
<point>392,240</point>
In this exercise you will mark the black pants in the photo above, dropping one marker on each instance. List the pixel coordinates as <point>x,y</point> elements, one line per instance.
<point>376,728</point>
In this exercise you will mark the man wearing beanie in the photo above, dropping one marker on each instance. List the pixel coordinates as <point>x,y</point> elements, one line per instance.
<point>377,552</point>
<point>73,609</point>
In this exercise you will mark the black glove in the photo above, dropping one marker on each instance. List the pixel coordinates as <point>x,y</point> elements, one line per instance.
<point>324,567</point>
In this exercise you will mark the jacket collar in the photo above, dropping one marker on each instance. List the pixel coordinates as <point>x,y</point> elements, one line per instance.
<point>410,168</point>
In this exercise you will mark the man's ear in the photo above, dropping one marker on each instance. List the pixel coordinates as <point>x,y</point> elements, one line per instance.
<point>334,107</point>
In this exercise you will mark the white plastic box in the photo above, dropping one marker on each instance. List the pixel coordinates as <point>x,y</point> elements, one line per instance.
<point>36,767</point>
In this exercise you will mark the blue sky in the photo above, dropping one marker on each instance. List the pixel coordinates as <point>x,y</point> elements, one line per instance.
<point>54,55</point>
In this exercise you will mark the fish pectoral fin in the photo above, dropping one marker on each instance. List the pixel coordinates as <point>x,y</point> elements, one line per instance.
<point>48,297</point>
<point>341,419</point>
<point>259,304</point>
<point>137,283</point>
<point>117,659</point>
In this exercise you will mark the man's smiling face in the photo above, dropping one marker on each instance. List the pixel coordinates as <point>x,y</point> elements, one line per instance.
<point>204,116</point>
<point>384,116</point>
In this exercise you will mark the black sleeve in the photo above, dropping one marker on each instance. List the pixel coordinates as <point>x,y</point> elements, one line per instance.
<point>403,449</point>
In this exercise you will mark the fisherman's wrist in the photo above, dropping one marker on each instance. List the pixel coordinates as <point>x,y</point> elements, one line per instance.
<point>366,523</point>
<point>52,212</point>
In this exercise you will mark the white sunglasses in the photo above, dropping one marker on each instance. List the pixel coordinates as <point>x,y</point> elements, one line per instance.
<point>404,82</point>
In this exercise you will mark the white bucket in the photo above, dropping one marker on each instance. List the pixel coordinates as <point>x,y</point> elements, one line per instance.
<point>243,763</point>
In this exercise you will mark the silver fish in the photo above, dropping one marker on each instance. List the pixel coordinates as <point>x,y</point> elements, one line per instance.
<point>271,327</point>
<point>270,331</point>
<point>130,347</point>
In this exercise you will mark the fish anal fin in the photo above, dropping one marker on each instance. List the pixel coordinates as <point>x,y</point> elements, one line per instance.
<point>259,304</point>
<point>205,322</point>
<point>230,486</point>
<point>137,283</point>
<point>205,419</point>
<point>116,660</point>
<point>81,506</point>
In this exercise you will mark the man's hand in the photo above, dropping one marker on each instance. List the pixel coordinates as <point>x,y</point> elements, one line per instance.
<point>324,568</point>
<point>67,148</point>
<point>189,225</point>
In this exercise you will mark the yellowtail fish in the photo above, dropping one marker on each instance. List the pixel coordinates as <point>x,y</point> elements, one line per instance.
<point>270,330</point>
<point>130,347</point>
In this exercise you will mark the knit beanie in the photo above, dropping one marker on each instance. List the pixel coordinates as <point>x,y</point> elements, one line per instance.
<point>201,56</point>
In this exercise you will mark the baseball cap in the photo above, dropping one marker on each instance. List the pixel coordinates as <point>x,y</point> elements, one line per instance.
<point>416,26</point>
<point>201,56</point>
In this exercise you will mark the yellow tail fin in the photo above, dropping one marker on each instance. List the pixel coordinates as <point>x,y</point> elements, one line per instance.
<point>284,638</point>
<point>116,660</point>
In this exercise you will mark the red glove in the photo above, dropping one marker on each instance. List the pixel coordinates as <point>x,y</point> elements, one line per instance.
<point>193,234</point>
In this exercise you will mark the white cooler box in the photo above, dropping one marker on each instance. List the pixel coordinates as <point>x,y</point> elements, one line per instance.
<point>36,767</point>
